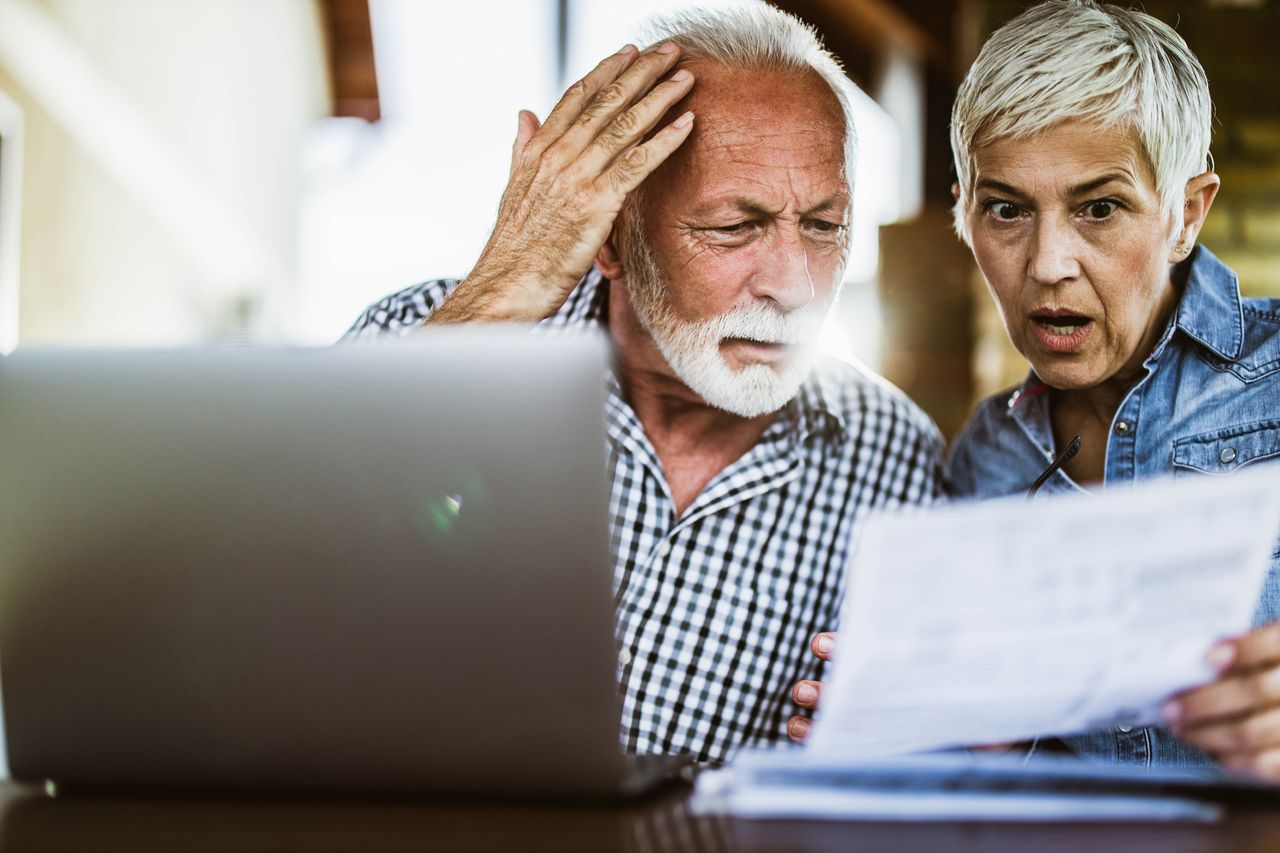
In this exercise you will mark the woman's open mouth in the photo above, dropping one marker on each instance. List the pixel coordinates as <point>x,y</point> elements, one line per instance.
<point>1061,332</point>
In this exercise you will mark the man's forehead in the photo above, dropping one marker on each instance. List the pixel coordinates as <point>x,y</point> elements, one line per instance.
<point>737,102</point>
<point>755,129</point>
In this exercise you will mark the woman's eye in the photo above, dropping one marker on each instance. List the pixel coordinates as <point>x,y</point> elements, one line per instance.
<point>1003,210</point>
<point>1100,209</point>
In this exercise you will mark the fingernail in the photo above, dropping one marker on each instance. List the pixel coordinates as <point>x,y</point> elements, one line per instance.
<point>1221,656</point>
<point>1172,712</point>
<point>667,47</point>
<point>681,75</point>
<point>806,693</point>
<point>824,645</point>
<point>626,48</point>
<point>799,727</point>
<point>684,121</point>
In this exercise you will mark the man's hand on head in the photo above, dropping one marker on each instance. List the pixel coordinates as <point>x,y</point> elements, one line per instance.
<point>806,693</point>
<point>569,177</point>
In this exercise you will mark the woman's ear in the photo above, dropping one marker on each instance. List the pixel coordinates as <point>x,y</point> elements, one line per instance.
<point>1200,193</point>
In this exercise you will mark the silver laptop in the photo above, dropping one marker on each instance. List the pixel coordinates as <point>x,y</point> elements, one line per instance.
<point>378,569</point>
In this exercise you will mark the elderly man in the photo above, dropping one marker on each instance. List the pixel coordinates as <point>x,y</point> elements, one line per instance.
<point>693,200</point>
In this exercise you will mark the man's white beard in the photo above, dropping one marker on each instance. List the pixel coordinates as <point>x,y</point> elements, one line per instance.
<point>693,349</point>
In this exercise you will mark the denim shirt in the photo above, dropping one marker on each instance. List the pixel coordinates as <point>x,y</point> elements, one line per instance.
<point>1207,404</point>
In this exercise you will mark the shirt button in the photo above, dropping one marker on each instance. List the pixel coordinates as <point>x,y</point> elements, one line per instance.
<point>624,657</point>
<point>664,548</point>
<point>1126,729</point>
<point>1227,456</point>
<point>1122,427</point>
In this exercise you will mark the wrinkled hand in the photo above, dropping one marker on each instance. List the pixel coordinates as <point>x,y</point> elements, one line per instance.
<point>1236,717</point>
<point>568,180</point>
<point>805,693</point>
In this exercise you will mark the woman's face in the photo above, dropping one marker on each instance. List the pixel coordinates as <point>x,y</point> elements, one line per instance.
<point>1068,230</point>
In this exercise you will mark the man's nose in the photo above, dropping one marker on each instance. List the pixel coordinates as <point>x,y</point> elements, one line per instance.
<point>1052,253</point>
<point>785,277</point>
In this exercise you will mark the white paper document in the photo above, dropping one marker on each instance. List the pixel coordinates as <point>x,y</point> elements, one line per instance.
<point>1004,620</point>
<point>788,784</point>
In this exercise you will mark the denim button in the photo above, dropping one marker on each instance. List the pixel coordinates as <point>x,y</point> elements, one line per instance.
<point>1122,427</point>
<point>1227,456</point>
<point>1126,729</point>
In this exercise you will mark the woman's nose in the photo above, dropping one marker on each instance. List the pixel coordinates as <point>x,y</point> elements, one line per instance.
<point>1052,254</point>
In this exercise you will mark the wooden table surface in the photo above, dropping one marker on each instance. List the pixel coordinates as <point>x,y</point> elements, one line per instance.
<point>661,822</point>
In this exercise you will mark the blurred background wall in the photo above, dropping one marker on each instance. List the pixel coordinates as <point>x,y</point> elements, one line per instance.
<point>160,180</point>
<point>211,171</point>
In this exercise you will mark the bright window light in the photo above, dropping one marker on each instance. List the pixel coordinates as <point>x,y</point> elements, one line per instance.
<point>416,196</point>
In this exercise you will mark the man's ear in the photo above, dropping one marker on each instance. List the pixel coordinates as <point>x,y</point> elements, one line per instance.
<point>955,190</point>
<point>609,259</point>
<point>1200,193</point>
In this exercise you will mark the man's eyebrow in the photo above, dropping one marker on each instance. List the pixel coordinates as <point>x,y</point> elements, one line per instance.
<point>755,208</point>
<point>837,202</point>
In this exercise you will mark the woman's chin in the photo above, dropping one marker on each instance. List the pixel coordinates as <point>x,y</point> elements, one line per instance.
<point>1062,375</point>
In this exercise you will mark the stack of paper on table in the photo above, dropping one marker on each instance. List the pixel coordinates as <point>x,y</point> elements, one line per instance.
<point>956,786</point>
<point>1007,620</point>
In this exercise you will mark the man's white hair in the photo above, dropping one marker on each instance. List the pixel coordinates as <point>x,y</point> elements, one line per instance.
<point>758,38</point>
<point>1066,60</point>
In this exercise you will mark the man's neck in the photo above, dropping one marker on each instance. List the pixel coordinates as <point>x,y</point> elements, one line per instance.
<point>694,441</point>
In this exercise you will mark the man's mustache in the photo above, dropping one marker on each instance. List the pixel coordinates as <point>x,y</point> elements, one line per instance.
<point>767,325</point>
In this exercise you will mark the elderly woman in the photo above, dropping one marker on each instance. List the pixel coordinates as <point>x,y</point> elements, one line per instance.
<point>1081,139</point>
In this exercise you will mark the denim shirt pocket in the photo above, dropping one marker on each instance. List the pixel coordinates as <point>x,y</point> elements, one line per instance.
<point>1224,450</point>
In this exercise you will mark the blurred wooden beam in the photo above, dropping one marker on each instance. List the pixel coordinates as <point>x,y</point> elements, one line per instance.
<point>874,23</point>
<point>353,76</point>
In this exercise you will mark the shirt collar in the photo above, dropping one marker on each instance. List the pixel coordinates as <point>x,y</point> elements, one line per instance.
<point>1210,311</point>
<point>817,406</point>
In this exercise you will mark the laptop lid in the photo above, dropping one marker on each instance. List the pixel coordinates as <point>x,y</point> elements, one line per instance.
<point>368,568</point>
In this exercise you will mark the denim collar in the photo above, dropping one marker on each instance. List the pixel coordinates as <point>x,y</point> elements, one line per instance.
<point>1210,310</point>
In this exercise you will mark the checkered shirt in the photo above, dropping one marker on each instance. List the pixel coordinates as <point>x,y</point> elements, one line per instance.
<point>715,609</point>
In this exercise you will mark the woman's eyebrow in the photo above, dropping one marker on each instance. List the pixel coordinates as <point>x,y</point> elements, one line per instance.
<point>1101,181</point>
<point>999,186</point>
<point>1085,188</point>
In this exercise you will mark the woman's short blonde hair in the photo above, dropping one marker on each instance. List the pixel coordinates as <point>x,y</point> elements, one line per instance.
<point>1066,60</point>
